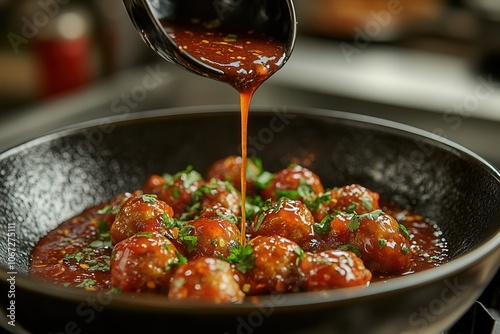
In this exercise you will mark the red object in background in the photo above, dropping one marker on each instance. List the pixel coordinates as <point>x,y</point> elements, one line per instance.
<point>65,64</point>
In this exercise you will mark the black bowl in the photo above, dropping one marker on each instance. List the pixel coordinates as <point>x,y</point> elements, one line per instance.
<point>53,178</point>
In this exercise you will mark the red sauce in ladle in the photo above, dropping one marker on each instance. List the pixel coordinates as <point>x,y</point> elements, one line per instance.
<point>245,57</point>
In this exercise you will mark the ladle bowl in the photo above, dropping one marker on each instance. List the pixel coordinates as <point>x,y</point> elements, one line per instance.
<point>151,18</point>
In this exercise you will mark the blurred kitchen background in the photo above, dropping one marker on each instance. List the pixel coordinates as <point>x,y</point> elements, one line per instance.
<point>433,64</point>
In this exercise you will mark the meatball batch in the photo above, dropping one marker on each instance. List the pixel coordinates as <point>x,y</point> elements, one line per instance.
<point>179,235</point>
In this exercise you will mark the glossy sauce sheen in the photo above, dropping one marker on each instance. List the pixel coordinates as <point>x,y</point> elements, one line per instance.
<point>246,58</point>
<point>75,254</point>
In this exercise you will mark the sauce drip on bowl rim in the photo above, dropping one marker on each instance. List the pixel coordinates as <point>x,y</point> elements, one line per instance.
<point>246,58</point>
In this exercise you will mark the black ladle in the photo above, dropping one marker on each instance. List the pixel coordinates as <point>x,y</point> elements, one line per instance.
<point>275,18</point>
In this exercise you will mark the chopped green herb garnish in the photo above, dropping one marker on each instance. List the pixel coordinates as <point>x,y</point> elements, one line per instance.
<point>208,188</point>
<point>268,208</point>
<point>227,216</point>
<point>300,254</point>
<point>404,231</point>
<point>108,209</point>
<point>263,180</point>
<point>114,290</point>
<point>190,242</point>
<point>305,193</point>
<point>253,205</point>
<point>180,259</point>
<point>242,257</point>
<point>372,215</point>
<point>352,207</point>
<point>405,250</point>
<point>97,244</point>
<point>99,266</point>
<point>87,283</point>
<point>355,221</point>
<point>176,192</point>
<point>189,176</point>
<point>323,227</point>
<point>382,242</point>
<point>149,198</point>
<point>102,228</point>
<point>366,203</point>
<point>350,248</point>
<point>316,201</point>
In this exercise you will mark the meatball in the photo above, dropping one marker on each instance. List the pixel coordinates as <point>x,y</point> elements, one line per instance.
<point>333,230</point>
<point>143,263</point>
<point>175,190</point>
<point>333,269</point>
<point>141,213</point>
<point>354,198</point>
<point>229,169</point>
<point>216,193</point>
<point>384,245</point>
<point>205,279</point>
<point>276,266</point>
<point>218,211</point>
<point>107,212</point>
<point>291,178</point>
<point>287,218</point>
<point>214,237</point>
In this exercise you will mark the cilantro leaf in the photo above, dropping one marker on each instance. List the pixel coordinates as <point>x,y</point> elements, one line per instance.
<point>354,223</point>
<point>350,248</point>
<point>242,257</point>
<point>188,176</point>
<point>190,242</point>
<point>87,283</point>
<point>108,209</point>
<point>149,198</point>
<point>381,243</point>
<point>263,180</point>
<point>323,227</point>
<point>316,201</point>
<point>404,231</point>
<point>300,254</point>
<point>366,203</point>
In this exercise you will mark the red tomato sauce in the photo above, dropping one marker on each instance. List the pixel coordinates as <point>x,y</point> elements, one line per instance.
<point>81,251</point>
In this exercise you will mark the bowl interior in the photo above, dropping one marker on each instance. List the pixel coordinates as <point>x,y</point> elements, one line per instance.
<point>49,180</point>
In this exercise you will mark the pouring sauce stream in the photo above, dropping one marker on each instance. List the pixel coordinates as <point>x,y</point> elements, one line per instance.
<point>247,58</point>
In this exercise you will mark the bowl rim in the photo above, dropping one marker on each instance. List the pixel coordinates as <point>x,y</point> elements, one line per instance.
<point>159,303</point>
